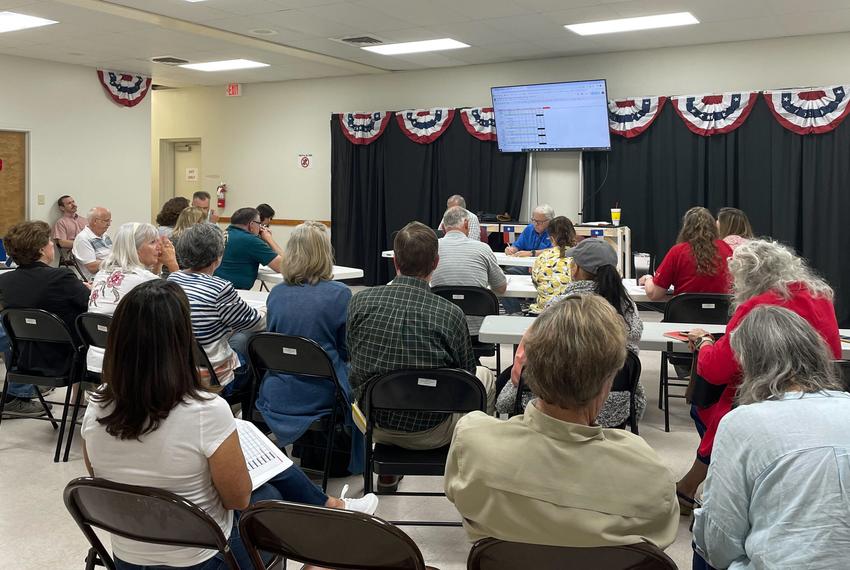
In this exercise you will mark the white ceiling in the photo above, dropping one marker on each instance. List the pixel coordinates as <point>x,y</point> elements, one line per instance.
<point>124,34</point>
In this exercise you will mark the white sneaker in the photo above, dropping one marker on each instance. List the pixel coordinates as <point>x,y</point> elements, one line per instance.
<point>366,504</point>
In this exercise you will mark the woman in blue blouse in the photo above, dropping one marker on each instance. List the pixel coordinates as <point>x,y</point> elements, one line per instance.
<point>310,304</point>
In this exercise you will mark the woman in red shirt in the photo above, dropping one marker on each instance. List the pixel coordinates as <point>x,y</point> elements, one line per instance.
<point>696,264</point>
<point>764,273</point>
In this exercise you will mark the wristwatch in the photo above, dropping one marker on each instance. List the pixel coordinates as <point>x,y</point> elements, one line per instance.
<point>533,253</point>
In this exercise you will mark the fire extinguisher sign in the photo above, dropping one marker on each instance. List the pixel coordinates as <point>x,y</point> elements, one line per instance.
<point>305,161</point>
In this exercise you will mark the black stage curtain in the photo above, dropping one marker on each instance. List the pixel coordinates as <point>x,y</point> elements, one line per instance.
<point>794,188</point>
<point>378,188</point>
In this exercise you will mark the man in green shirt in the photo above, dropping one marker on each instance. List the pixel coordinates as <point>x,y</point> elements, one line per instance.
<point>249,244</point>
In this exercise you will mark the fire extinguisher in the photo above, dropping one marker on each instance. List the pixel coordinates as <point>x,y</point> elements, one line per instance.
<point>220,192</point>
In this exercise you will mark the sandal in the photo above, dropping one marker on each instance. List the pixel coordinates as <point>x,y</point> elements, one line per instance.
<point>687,504</point>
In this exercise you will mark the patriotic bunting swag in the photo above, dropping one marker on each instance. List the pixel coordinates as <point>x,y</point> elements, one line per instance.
<point>364,128</point>
<point>425,125</point>
<point>708,115</point>
<point>809,111</point>
<point>479,122</point>
<point>125,89</point>
<point>630,117</point>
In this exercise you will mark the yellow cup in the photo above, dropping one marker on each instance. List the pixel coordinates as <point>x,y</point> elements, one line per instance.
<point>615,216</point>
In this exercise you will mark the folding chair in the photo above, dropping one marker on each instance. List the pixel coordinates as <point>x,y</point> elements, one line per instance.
<point>285,354</point>
<point>38,326</point>
<point>438,390</point>
<point>702,308</point>
<point>144,514</point>
<point>474,302</point>
<point>67,259</point>
<point>494,554</point>
<point>329,538</point>
<point>241,396</point>
<point>93,329</point>
<point>843,369</point>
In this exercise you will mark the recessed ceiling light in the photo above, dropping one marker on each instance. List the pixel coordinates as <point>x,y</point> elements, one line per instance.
<point>196,0</point>
<point>631,24</point>
<point>416,47</point>
<point>12,21</point>
<point>226,65</point>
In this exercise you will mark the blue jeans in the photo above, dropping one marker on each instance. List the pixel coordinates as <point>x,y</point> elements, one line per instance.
<point>23,391</point>
<point>292,485</point>
<point>510,304</point>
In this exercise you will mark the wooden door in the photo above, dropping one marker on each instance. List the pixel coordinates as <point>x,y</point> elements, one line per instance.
<point>13,179</point>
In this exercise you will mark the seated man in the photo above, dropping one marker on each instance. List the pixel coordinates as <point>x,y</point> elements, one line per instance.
<point>550,476</point>
<point>466,262</point>
<point>249,244</point>
<point>69,225</point>
<point>474,229</point>
<point>92,245</point>
<point>404,325</point>
<point>533,239</point>
<point>201,200</point>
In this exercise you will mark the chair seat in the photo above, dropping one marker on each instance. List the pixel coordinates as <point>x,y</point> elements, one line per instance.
<point>483,349</point>
<point>392,460</point>
<point>55,381</point>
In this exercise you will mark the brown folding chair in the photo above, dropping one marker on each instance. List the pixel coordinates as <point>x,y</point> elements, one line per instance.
<point>494,554</point>
<point>145,514</point>
<point>330,538</point>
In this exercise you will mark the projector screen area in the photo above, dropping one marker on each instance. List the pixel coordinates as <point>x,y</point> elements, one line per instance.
<point>552,116</point>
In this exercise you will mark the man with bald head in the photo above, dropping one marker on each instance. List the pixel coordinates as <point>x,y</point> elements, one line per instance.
<point>92,245</point>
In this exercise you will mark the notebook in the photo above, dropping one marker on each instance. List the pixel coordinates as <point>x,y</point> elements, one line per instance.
<point>262,456</point>
<point>677,335</point>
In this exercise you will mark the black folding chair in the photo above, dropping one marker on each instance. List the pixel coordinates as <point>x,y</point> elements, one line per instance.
<point>38,326</point>
<point>145,514</point>
<point>93,328</point>
<point>702,308</point>
<point>241,396</point>
<point>285,354</point>
<point>69,260</point>
<point>474,302</point>
<point>843,372</point>
<point>304,533</point>
<point>494,554</point>
<point>439,390</point>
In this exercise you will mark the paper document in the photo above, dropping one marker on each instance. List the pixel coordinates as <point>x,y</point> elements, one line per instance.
<point>262,456</point>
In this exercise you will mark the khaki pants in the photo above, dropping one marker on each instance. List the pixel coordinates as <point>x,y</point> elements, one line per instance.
<point>441,434</point>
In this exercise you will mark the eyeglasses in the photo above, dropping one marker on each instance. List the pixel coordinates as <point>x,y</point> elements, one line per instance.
<point>538,222</point>
<point>107,222</point>
<point>254,222</point>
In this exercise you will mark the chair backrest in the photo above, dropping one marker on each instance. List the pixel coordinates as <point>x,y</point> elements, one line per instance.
<point>287,354</point>
<point>35,325</point>
<point>145,514</point>
<point>473,301</point>
<point>627,378</point>
<point>204,362</point>
<point>843,367</point>
<point>330,538</point>
<point>493,554</point>
<point>705,308</point>
<point>445,390</point>
<point>93,328</point>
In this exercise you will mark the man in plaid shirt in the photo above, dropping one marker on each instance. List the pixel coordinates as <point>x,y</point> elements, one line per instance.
<point>405,325</point>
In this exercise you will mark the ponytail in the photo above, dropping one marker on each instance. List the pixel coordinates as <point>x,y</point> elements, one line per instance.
<point>610,286</point>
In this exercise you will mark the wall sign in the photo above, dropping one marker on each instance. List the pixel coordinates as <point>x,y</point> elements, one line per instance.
<point>305,160</point>
<point>191,174</point>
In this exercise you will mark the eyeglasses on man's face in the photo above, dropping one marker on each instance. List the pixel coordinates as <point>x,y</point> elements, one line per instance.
<point>104,221</point>
<point>539,222</point>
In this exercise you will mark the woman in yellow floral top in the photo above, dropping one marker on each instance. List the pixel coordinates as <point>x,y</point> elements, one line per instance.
<point>551,271</point>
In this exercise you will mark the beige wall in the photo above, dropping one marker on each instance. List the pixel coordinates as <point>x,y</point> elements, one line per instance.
<point>252,142</point>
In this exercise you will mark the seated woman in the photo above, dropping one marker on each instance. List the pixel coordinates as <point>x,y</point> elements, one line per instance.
<point>218,313</point>
<point>187,218</point>
<point>734,227</point>
<point>289,404</point>
<point>776,494</point>
<point>550,476</point>
<point>152,423</point>
<point>169,213</point>
<point>696,264</point>
<point>764,273</point>
<point>551,271</point>
<point>36,285</point>
<point>138,255</point>
<point>594,271</point>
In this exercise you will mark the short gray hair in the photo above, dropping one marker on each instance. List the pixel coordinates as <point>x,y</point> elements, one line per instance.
<point>125,247</point>
<point>457,200</point>
<point>200,246</point>
<point>546,210</point>
<point>758,266</point>
<point>779,351</point>
<point>96,212</point>
<point>454,217</point>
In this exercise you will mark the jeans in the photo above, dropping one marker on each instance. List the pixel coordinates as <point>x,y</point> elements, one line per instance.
<point>510,304</point>
<point>22,391</point>
<point>292,485</point>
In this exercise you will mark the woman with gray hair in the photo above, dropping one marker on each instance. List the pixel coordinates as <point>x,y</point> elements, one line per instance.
<point>219,315</point>
<point>138,254</point>
<point>776,497</point>
<point>763,273</point>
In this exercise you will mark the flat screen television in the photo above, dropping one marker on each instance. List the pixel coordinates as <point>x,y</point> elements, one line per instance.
<point>552,116</point>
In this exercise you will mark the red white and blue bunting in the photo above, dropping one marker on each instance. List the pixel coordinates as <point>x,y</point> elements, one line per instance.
<point>424,126</point>
<point>630,117</point>
<point>480,122</point>
<point>125,89</point>
<point>708,115</point>
<point>809,111</point>
<point>364,128</point>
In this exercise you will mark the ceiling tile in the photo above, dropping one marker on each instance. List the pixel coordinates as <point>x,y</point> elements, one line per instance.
<point>356,16</point>
<point>417,13</point>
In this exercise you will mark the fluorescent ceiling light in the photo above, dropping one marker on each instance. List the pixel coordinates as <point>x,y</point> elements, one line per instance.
<point>12,21</point>
<point>631,24</point>
<point>416,47</point>
<point>226,65</point>
<point>196,0</point>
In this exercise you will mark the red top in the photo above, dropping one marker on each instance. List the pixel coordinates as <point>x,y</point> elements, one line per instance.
<point>717,363</point>
<point>679,269</point>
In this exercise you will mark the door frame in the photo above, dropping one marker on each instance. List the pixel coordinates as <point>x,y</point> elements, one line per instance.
<point>28,168</point>
<point>166,166</point>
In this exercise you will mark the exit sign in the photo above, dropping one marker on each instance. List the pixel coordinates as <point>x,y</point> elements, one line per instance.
<point>234,89</point>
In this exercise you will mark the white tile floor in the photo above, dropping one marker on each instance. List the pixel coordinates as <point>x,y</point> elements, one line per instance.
<point>36,532</point>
